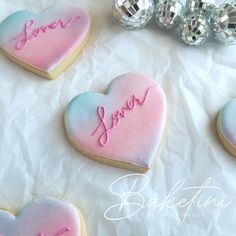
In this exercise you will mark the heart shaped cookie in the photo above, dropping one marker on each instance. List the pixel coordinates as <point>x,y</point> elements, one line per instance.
<point>45,43</point>
<point>226,126</point>
<point>121,128</point>
<point>44,217</point>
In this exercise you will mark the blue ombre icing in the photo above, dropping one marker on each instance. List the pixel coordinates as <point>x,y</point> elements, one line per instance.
<point>84,105</point>
<point>11,26</point>
<point>227,122</point>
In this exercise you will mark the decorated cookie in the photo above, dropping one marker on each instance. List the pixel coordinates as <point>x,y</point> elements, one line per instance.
<point>226,126</point>
<point>122,127</point>
<point>45,43</point>
<point>45,217</point>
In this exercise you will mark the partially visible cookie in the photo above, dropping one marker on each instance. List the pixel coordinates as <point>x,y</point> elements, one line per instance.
<point>44,217</point>
<point>226,126</point>
<point>45,43</point>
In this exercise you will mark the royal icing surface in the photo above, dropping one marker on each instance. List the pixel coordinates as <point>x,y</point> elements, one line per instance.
<point>227,119</point>
<point>45,217</point>
<point>44,40</point>
<point>124,125</point>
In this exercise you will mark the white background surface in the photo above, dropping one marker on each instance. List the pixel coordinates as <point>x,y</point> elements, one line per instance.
<point>36,158</point>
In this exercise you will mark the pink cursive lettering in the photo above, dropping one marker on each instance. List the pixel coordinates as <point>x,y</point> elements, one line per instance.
<point>116,117</point>
<point>59,233</point>
<point>30,33</point>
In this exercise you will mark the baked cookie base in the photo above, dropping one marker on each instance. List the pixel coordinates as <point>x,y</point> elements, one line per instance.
<point>226,143</point>
<point>82,223</point>
<point>59,69</point>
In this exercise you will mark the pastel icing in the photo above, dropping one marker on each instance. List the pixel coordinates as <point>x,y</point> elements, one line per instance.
<point>227,122</point>
<point>123,126</point>
<point>44,217</point>
<point>44,40</point>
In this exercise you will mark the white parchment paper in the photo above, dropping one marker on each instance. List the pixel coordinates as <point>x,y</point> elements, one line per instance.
<point>36,159</point>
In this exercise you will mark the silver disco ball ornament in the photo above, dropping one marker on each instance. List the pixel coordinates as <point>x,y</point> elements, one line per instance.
<point>205,7</point>
<point>133,14</point>
<point>168,13</point>
<point>194,30</point>
<point>224,23</point>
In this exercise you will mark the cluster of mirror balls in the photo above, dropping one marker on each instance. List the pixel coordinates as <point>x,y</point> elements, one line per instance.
<point>194,22</point>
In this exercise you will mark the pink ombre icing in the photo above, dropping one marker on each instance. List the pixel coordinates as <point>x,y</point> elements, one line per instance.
<point>45,217</point>
<point>123,126</point>
<point>61,232</point>
<point>116,117</point>
<point>43,41</point>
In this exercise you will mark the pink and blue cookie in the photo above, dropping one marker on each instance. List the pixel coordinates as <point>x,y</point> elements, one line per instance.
<point>122,127</point>
<point>45,43</point>
<point>226,126</point>
<point>44,217</point>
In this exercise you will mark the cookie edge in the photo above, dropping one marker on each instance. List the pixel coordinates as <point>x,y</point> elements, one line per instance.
<point>226,143</point>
